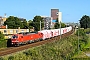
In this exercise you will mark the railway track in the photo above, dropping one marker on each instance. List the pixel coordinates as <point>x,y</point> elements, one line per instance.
<point>11,50</point>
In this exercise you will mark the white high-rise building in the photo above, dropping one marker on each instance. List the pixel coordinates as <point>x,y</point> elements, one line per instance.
<point>59,16</point>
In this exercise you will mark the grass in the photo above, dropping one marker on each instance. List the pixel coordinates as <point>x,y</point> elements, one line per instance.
<point>88,44</point>
<point>3,44</point>
<point>82,54</point>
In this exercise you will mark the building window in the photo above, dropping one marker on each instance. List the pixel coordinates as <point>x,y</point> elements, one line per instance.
<point>11,31</point>
<point>5,31</point>
<point>57,13</point>
<point>22,30</point>
<point>27,30</point>
<point>16,31</point>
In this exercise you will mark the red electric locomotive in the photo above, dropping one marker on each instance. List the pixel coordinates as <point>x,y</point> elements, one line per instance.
<point>24,38</point>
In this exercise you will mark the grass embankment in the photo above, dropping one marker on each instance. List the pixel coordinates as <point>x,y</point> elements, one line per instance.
<point>3,43</point>
<point>64,49</point>
<point>84,54</point>
<point>88,44</point>
<point>58,50</point>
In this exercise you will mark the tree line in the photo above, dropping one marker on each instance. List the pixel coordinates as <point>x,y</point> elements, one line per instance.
<point>15,22</point>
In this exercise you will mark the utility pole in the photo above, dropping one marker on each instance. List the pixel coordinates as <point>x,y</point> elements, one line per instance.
<point>78,37</point>
<point>59,20</point>
<point>60,29</point>
<point>40,25</point>
<point>6,29</point>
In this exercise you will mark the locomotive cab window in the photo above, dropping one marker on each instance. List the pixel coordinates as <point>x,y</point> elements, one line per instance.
<point>14,36</point>
<point>41,34</point>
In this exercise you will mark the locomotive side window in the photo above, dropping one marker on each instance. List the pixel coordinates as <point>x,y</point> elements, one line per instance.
<point>14,36</point>
<point>41,34</point>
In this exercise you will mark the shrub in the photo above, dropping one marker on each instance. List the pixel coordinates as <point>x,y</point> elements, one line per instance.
<point>80,32</point>
<point>1,58</point>
<point>11,58</point>
<point>2,41</point>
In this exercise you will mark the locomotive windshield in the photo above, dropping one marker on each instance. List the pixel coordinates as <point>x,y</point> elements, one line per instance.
<point>14,36</point>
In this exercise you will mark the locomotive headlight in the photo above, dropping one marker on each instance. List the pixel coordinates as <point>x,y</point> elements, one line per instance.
<point>17,41</point>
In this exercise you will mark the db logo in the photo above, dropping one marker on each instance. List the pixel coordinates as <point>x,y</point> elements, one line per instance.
<point>65,30</point>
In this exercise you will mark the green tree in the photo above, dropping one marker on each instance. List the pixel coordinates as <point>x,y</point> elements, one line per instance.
<point>63,25</point>
<point>36,23</point>
<point>13,22</point>
<point>57,25</point>
<point>85,22</point>
<point>25,24</point>
<point>30,24</point>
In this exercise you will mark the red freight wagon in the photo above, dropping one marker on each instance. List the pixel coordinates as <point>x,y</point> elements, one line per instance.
<point>24,38</point>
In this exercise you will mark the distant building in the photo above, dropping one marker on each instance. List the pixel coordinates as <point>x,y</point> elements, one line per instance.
<point>2,20</point>
<point>2,27</point>
<point>53,23</point>
<point>59,17</point>
<point>47,22</point>
<point>22,19</point>
<point>54,13</point>
<point>9,32</point>
<point>13,31</point>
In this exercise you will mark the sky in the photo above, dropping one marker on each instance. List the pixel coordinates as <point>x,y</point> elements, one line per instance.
<point>72,10</point>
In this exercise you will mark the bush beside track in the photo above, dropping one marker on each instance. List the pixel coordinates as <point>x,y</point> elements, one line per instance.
<point>3,41</point>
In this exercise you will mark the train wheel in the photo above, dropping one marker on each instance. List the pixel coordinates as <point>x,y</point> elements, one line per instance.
<point>18,45</point>
<point>26,43</point>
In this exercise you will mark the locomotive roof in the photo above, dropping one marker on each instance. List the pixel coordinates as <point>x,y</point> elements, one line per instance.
<point>25,33</point>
